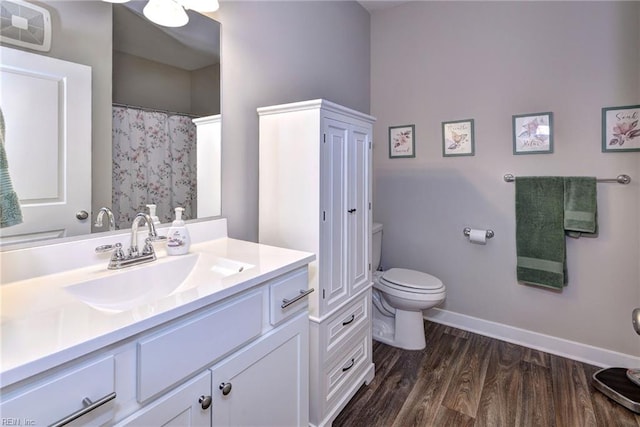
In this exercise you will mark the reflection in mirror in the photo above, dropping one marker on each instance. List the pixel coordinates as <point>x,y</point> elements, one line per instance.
<point>163,78</point>
<point>185,80</point>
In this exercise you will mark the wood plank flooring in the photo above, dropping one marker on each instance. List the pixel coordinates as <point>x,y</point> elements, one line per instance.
<point>465,379</point>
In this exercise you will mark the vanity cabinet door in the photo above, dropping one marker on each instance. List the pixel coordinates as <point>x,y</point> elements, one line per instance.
<point>186,406</point>
<point>267,382</point>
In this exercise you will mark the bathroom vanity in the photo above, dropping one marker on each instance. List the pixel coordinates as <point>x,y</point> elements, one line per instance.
<point>223,342</point>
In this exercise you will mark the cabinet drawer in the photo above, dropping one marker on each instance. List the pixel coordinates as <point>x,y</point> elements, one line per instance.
<point>338,375</point>
<point>171,355</point>
<point>341,326</point>
<point>284,290</point>
<point>62,394</point>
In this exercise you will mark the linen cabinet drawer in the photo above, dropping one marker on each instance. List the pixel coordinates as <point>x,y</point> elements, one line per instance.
<point>342,326</point>
<point>89,389</point>
<point>339,374</point>
<point>288,295</point>
<point>169,356</point>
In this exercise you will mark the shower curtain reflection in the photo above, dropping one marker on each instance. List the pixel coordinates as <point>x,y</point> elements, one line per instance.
<point>154,162</point>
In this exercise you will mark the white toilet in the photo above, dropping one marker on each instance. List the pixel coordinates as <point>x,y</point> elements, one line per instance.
<point>399,296</point>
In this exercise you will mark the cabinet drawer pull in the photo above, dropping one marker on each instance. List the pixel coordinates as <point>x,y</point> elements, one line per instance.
<point>287,302</point>
<point>351,210</point>
<point>345,323</point>
<point>88,407</point>
<point>353,361</point>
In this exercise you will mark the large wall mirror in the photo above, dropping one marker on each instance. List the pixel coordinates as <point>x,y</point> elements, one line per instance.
<point>154,97</point>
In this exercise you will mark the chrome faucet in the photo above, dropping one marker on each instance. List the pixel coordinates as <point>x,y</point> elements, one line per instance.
<point>112,220</point>
<point>153,235</point>
<point>134,256</point>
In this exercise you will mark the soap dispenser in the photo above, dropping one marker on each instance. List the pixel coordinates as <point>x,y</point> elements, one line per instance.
<point>152,214</point>
<point>178,240</point>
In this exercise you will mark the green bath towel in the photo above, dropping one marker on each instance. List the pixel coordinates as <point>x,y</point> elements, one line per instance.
<point>580,206</point>
<point>10,213</point>
<point>546,209</point>
<point>540,241</point>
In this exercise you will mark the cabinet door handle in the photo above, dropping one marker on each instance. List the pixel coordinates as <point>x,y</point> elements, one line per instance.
<point>287,302</point>
<point>345,323</point>
<point>351,210</point>
<point>353,362</point>
<point>88,406</point>
<point>205,401</point>
<point>226,388</point>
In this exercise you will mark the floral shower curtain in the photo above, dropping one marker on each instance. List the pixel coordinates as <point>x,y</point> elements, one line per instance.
<point>154,162</point>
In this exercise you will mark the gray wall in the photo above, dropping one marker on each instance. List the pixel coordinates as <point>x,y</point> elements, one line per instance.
<point>140,82</point>
<point>278,52</point>
<point>441,61</point>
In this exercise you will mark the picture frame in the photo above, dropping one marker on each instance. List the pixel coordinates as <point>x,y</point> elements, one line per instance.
<point>533,133</point>
<point>458,138</point>
<point>621,129</point>
<point>402,142</point>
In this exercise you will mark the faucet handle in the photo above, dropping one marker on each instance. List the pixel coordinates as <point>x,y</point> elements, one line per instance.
<point>118,253</point>
<point>104,248</point>
<point>148,247</point>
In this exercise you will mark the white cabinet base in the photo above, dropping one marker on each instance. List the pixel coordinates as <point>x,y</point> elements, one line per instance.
<point>365,378</point>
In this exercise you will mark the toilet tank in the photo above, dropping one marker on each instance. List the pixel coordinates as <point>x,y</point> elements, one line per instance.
<point>376,232</point>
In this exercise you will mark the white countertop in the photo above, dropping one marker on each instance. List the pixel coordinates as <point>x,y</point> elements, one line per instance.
<point>42,325</point>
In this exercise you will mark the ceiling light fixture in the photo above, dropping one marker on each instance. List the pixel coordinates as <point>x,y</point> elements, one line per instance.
<point>171,13</point>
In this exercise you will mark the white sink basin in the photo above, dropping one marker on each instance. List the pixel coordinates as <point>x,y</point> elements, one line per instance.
<point>121,290</point>
<point>131,287</point>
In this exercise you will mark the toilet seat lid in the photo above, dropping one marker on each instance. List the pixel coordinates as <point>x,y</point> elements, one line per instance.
<point>412,279</point>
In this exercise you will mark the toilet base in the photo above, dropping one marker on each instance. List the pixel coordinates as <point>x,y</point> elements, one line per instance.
<point>405,330</point>
<point>409,330</point>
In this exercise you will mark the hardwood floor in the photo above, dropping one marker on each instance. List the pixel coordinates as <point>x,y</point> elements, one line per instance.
<point>465,379</point>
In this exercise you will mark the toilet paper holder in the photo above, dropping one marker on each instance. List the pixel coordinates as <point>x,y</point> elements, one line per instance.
<point>467,231</point>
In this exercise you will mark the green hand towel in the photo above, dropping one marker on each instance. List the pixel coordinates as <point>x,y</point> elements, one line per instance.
<point>10,213</point>
<point>580,206</point>
<point>540,241</point>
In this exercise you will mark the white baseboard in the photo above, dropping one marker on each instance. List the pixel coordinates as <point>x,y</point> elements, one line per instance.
<point>549,344</point>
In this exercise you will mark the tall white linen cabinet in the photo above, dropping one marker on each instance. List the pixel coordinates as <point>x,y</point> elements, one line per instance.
<point>315,196</point>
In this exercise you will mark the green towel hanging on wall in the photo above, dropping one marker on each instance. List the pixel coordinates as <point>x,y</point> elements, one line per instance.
<point>546,209</point>
<point>540,243</point>
<point>580,206</point>
<point>10,213</point>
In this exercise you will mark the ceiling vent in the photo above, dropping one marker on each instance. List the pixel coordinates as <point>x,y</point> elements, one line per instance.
<point>26,25</point>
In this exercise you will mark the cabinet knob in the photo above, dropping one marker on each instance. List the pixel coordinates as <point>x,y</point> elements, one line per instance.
<point>351,210</point>
<point>81,215</point>
<point>205,401</point>
<point>226,388</point>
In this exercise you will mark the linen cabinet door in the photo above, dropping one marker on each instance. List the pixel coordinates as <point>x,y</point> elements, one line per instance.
<point>333,196</point>
<point>358,209</point>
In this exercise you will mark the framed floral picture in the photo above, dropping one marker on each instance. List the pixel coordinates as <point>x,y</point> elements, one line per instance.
<point>402,141</point>
<point>621,129</point>
<point>457,138</point>
<point>533,133</point>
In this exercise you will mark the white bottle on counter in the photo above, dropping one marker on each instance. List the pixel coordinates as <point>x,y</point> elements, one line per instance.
<point>178,240</point>
<point>152,214</point>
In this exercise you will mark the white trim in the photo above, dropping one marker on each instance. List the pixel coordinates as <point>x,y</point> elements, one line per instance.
<point>315,104</point>
<point>559,346</point>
